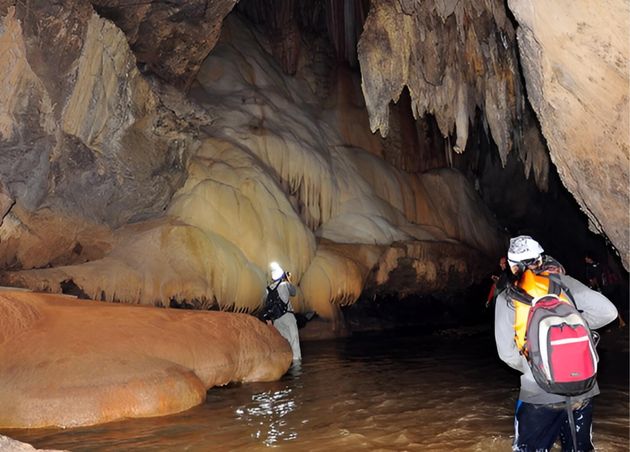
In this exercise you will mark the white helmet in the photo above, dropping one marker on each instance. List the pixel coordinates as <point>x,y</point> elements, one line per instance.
<point>523,249</point>
<point>276,271</point>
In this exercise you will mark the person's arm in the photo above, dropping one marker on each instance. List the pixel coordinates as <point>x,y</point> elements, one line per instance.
<point>290,286</point>
<point>504,334</point>
<point>286,290</point>
<point>596,309</point>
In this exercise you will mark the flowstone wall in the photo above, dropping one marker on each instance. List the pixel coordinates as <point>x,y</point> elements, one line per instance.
<point>268,173</point>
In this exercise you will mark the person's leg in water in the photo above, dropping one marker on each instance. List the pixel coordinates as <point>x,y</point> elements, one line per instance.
<point>537,427</point>
<point>583,416</point>
<point>287,327</point>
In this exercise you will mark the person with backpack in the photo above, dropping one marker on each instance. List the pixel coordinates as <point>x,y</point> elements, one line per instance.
<point>543,324</point>
<point>278,309</point>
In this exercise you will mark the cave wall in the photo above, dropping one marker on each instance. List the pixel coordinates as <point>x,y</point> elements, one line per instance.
<point>268,172</point>
<point>170,39</point>
<point>87,145</point>
<point>575,61</point>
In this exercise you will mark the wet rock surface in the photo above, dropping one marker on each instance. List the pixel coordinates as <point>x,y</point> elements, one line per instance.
<point>67,363</point>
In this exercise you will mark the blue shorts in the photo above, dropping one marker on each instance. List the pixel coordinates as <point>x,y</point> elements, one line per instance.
<point>537,427</point>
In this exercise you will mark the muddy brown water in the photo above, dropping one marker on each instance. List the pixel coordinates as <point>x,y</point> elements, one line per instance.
<point>445,392</point>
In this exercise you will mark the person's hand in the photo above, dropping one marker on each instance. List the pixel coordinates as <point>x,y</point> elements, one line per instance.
<point>495,278</point>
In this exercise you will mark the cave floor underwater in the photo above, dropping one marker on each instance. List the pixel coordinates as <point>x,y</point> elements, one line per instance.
<point>446,391</point>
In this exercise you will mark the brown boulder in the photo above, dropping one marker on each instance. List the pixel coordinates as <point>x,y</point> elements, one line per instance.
<point>67,363</point>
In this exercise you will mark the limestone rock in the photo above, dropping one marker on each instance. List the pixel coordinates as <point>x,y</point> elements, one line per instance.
<point>83,135</point>
<point>67,363</point>
<point>452,56</point>
<point>10,445</point>
<point>276,180</point>
<point>170,39</point>
<point>575,58</point>
<point>6,202</point>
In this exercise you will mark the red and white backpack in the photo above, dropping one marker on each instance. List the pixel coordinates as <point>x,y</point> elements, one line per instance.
<point>559,345</point>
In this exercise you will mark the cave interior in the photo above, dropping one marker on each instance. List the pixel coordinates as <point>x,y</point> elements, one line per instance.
<point>323,46</point>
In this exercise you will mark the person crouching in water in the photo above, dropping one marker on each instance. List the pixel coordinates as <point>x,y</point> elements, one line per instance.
<point>541,417</point>
<point>285,323</point>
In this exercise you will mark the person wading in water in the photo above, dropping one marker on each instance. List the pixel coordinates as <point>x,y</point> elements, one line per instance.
<point>544,414</point>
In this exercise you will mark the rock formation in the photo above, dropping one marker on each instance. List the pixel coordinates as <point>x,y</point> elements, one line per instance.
<point>67,362</point>
<point>168,39</point>
<point>455,57</point>
<point>575,60</point>
<point>144,160</point>
<point>72,109</point>
<point>273,178</point>
<point>452,56</point>
<point>133,193</point>
<point>10,445</point>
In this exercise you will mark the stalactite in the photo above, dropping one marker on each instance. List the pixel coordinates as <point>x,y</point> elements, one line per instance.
<point>454,58</point>
<point>279,19</point>
<point>285,21</point>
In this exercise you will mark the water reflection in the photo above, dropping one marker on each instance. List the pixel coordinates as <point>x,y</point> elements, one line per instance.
<point>268,410</point>
<point>266,415</point>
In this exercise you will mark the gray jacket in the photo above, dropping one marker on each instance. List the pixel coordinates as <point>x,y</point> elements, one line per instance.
<point>597,311</point>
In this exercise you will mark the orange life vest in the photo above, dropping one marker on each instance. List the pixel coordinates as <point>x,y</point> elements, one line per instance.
<point>535,285</point>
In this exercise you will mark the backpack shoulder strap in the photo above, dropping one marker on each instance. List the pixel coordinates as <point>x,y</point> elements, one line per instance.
<point>516,293</point>
<point>273,287</point>
<point>555,286</point>
<point>558,287</point>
